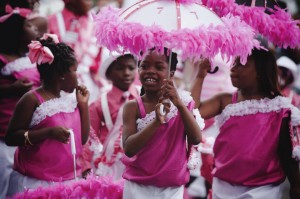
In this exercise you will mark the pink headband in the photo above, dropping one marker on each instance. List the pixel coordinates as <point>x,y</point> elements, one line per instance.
<point>8,9</point>
<point>41,54</point>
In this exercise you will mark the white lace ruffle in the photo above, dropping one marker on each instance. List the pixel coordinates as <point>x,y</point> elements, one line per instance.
<point>67,103</point>
<point>199,119</point>
<point>143,122</point>
<point>17,66</point>
<point>250,107</point>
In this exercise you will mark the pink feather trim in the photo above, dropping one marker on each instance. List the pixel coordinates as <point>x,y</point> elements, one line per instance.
<point>92,187</point>
<point>278,27</point>
<point>234,38</point>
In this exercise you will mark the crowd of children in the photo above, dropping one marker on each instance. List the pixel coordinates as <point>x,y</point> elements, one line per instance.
<point>56,82</point>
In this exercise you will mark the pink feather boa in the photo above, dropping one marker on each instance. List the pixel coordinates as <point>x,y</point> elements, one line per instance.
<point>92,187</point>
<point>278,27</point>
<point>234,38</point>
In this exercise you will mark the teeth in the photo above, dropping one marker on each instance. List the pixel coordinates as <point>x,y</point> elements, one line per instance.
<point>150,80</point>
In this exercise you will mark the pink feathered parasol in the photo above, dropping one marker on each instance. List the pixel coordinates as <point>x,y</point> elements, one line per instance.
<point>184,25</point>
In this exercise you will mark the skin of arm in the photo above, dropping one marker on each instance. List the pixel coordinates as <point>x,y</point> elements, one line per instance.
<point>134,141</point>
<point>82,95</point>
<point>289,164</point>
<point>20,121</point>
<point>213,106</point>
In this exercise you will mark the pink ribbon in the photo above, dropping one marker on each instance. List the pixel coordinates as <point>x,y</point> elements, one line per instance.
<point>8,9</point>
<point>53,36</point>
<point>39,54</point>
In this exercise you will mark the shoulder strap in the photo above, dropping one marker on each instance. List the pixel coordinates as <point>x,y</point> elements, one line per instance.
<point>141,107</point>
<point>38,96</point>
<point>234,97</point>
<point>106,112</point>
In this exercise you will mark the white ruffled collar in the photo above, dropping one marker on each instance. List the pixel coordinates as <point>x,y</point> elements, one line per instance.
<point>67,103</point>
<point>143,122</point>
<point>250,107</point>
<point>17,65</point>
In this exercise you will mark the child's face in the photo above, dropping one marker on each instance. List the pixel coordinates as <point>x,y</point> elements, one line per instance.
<point>30,32</point>
<point>153,70</point>
<point>83,6</point>
<point>122,72</point>
<point>70,80</point>
<point>244,76</point>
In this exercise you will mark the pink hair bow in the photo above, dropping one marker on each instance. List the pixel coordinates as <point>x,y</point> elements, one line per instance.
<point>39,54</point>
<point>54,37</point>
<point>21,11</point>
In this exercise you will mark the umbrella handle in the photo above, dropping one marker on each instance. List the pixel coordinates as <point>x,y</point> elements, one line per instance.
<point>213,71</point>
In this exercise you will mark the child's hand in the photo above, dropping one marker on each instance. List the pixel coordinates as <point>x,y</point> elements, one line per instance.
<point>166,104</point>
<point>21,86</point>
<point>170,92</point>
<point>82,95</point>
<point>203,67</point>
<point>60,134</point>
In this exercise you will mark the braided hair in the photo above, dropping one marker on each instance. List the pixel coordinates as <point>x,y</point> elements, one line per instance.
<point>64,59</point>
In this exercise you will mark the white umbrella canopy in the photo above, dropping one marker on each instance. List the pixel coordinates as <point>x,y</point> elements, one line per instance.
<point>184,25</point>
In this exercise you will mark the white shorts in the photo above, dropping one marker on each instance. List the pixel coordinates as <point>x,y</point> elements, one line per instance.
<point>224,190</point>
<point>137,191</point>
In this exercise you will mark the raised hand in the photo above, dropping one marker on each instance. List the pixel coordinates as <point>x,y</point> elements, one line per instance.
<point>203,67</point>
<point>82,95</point>
<point>169,91</point>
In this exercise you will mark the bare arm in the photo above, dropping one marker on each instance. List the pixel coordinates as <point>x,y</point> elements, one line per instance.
<point>134,141</point>
<point>82,95</point>
<point>20,121</point>
<point>290,165</point>
<point>213,106</point>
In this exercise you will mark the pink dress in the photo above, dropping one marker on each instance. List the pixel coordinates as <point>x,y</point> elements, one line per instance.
<point>246,150</point>
<point>51,160</point>
<point>163,161</point>
<point>11,72</point>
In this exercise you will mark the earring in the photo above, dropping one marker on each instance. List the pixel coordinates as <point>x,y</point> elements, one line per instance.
<point>62,78</point>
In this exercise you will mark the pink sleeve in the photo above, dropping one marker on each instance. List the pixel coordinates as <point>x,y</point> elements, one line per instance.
<point>95,116</point>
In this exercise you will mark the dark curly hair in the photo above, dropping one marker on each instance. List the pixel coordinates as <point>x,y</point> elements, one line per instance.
<point>11,33</point>
<point>64,58</point>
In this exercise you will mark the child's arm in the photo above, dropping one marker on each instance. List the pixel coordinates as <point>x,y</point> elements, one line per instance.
<point>289,164</point>
<point>213,106</point>
<point>82,95</point>
<point>134,141</point>
<point>18,88</point>
<point>191,127</point>
<point>19,123</point>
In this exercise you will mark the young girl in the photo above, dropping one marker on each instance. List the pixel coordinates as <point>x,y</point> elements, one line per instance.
<point>43,117</point>
<point>156,145</point>
<point>253,152</point>
<point>17,75</point>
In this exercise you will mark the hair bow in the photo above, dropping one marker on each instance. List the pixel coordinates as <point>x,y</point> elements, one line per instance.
<point>21,11</point>
<point>54,37</point>
<point>39,54</point>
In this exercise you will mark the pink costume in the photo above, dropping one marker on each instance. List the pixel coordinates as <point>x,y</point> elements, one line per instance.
<point>246,150</point>
<point>163,161</point>
<point>104,160</point>
<point>51,160</point>
<point>78,32</point>
<point>11,72</point>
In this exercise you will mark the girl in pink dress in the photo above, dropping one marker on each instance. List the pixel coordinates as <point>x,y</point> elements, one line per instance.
<point>17,75</point>
<point>258,145</point>
<point>43,117</point>
<point>156,145</point>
